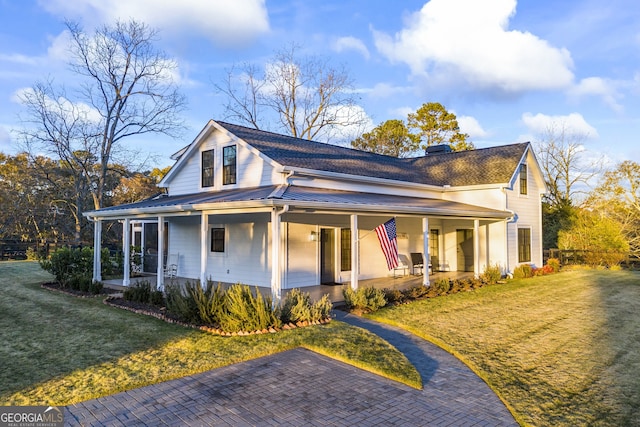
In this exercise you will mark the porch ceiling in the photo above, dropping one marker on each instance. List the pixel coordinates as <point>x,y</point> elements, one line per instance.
<point>298,198</point>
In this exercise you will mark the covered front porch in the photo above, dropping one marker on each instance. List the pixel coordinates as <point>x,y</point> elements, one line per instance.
<point>293,237</point>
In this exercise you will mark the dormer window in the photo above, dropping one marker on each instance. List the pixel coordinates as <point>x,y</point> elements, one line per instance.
<point>229,165</point>
<point>523,179</point>
<point>207,168</point>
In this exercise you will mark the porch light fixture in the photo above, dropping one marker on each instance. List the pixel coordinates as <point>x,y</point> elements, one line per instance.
<point>313,236</point>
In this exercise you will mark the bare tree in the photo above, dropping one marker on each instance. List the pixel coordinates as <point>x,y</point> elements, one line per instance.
<point>307,96</point>
<point>127,89</point>
<point>562,158</point>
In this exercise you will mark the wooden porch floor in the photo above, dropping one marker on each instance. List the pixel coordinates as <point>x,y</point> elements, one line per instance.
<point>316,292</point>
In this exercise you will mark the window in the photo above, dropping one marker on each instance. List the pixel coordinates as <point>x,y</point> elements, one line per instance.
<point>217,239</point>
<point>434,242</point>
<point>229,165</point>
<point>523,179</point>
<point>345,249</point>
<point>207,168</point>
<point>524,245</point>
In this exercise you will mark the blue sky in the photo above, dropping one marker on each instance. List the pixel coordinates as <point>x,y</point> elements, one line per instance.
<point>507,69</point>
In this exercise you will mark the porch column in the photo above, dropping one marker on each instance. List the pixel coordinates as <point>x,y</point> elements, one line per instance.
<point>204,234</point>
<point>425,250</point>
<point>97,248</point>
<point>161,243</point>
<point>276,274</point>
<point>476,248</point>
<point>126,247</point>
<point>355,252</point>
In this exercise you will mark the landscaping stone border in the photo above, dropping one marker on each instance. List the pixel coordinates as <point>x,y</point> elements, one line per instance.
<point>159,314</point>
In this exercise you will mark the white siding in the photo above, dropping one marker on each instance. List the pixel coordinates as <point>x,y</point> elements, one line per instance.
<point>184,239</point>
<point>247,257</point>
<point>492,198</point>
<point>252,170</point>
<point>302,264</point>
<point>528,215</point>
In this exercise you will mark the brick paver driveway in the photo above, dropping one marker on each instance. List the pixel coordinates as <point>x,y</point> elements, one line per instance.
<point>300,387</point>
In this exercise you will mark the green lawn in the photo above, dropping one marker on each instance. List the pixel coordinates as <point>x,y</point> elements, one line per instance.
<point>560,350</point>
<point>58,349</point>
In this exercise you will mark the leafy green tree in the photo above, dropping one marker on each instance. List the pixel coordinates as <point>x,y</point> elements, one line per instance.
<point>618,197</point>
<point>598,234</point>
<point>556,217</point>
<point>38,200</point>
<point>434,125</point>
<point>391,138</point>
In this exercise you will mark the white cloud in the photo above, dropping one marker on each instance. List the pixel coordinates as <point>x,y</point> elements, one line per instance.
<point>386,90</point>
<point>401,112</point>
<point>471,126</point>
<point>224,22</point>
<point>468,41</point>
<point>597,86</point>
<point>351,43</point>
<point>59,48</point>
<point>5,139</point>
<point>62,106</point>
<point>573,124</point>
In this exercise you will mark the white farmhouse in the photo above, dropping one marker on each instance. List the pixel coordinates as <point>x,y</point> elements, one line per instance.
<point>268,210</point>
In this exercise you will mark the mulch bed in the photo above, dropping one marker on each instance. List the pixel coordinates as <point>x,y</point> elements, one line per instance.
<point>113,299</point>
<point>57,287</point>
<point>161,313</point>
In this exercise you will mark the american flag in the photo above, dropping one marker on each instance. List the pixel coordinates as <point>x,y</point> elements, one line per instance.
<point>388,242</point>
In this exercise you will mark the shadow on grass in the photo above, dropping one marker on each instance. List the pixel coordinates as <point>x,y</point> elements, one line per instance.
<point>46,335</point>
<point>407,343</point>
<point>618,347</point>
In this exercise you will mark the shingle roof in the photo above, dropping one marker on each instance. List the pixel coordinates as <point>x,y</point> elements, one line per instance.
<point>475,167</point>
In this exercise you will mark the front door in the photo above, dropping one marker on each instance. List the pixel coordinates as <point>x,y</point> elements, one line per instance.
<point>465,249</point>
<point>327,256</point>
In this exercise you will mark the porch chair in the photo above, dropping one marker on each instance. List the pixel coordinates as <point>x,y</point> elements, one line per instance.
<point>171,266</point>
<point>417,263</point>
<point>402,267</point>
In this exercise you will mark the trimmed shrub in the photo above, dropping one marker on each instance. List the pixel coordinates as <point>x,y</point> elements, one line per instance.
<point>523,271</point>
<point>492,274</point>
<point>416,292</point>
<point>143,292</point>
<point>441,286</point>
<point>68,265</point>
<point>365,299</point>
<point>394,296</point>
<point>554,264</point>
<point>182,305</point>
<point>321,309</point>
<point>296,307</point>
<point>244,311</point>
<point>208,301</point>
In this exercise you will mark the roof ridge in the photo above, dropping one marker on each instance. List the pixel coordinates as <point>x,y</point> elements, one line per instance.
<point>328,144</point>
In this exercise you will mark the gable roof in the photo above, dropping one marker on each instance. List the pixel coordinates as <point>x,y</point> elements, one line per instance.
<point>494,165</point>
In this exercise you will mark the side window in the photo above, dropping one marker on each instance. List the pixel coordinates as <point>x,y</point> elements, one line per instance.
<point>524,245</point>
<point>523,179</point>
<point>229,165</point>
<point>217,239</point>
<point>345,249</point>
<point>207,168</point>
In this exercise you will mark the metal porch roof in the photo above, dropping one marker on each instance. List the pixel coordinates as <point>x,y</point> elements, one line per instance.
<point>301,198</point>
